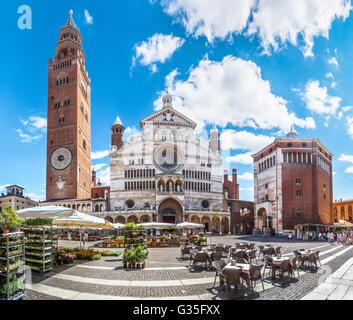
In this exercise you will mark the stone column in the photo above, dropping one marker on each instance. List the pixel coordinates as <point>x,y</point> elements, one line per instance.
<point>229,231</point>
<point>220,225</point>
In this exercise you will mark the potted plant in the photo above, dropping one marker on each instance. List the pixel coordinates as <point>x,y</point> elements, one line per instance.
<point>9,220</point>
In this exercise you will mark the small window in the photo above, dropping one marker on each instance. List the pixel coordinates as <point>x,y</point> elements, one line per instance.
<point>299,193</point>
<point>130,204</point>
<point>266,185</point>
<point>62,119</point>
<point>299,212</point>
<point>289,145</point>
<point>304,145</point>
<point>297,181</point>
<point>205,204</point>
<point>324,196</point>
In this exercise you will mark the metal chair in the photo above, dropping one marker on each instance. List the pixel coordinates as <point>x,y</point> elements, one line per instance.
<point>219,265</point>
<point>232,277</point>
<point>268,264</point>
<point>255,275</point>
<point>200,257</point>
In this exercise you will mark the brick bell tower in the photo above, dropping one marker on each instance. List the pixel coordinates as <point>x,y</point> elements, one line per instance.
<point>69,119</point>
<point>118,133</point>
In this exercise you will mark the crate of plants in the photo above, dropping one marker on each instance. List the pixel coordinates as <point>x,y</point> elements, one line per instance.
<point>12,271</point>
<point>39,244</point>
<point>136,252</point>
<point>14,288</point>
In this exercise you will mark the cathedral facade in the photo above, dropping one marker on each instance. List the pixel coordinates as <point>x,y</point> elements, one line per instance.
<point>166,173</point>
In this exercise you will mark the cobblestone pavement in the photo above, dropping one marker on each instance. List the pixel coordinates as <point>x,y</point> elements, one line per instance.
<point>107,278</point>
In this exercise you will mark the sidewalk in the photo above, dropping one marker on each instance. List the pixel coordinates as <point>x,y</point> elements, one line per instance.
<point>338,286</point>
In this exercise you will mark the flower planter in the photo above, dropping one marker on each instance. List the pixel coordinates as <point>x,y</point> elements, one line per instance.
<point>143,266</point>
<point>5,231</point>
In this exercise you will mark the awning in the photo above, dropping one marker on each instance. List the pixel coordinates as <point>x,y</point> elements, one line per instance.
<point>46,212</point>
<point>118,226</point>
<point>82,220</point>
<point>190,225</point>
<point>157,225</point>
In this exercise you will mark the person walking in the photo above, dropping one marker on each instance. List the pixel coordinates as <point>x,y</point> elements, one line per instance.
<point>328,237</point>
<point>69,236</point>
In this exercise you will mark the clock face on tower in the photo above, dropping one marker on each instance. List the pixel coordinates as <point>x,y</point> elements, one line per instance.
<point>61,158</point>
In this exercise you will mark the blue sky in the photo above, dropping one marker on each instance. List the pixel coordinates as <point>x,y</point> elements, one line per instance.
<point>252,77</point>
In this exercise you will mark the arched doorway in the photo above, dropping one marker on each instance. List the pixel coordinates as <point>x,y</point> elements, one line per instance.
<point>109,219</point>
<point>132,219</point>
<point>261,218</point>
<point>206,221</point>
<point>145,218</point>
<point>171,211</point>
<point>216,225</point>
<point>195,219</point>
<point>120,219</point>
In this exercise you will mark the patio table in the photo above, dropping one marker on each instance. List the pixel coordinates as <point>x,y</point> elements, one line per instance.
<point>276,263</point>
<point>245,268</point>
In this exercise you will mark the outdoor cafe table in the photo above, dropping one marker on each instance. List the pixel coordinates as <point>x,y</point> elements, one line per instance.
<point>245,271</point>
<point>276,262</point>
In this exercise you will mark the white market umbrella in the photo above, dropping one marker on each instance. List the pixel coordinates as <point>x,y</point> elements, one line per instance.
<point>157,225</point>
<point>189,225</point>
<point>81,219</point>
<point>118,226</point>
<point>46,212</point>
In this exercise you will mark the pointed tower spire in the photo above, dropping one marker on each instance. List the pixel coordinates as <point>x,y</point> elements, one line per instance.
<point>118,133</point>
<point>71,20</point>
<point>118,121</point>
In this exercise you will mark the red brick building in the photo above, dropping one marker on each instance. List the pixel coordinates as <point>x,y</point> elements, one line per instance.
<point>69,119</point>
<point>293,184</point>
<point>242,212</point>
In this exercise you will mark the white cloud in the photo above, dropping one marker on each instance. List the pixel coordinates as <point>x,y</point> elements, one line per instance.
<point>232,91</point>
<point>275,22</point>
<point>26,138</point>
<point>333,61</point>
<point>349,170</point>
<point>243,140</point>
<point>242,158</point>
<point>129,131</point>
<point>3,188</point>
<point>35,197</point>
<point>157,49</point>
<point>329,75</point>
<point>246,189</point>
<point>246,176</point>
<point>346,158</point>
<point>99,154</point>
<point>99,166</point>
<point>318,100</point>
<point>88,17</point>
<point>350,126</point>
<point>104,176</point>
<point>333,85</point>
<point>209,18</point>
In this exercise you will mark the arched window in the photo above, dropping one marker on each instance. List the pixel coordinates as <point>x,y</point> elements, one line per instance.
<point>350,213</point>
<point>62,119</point>
<point>343,214</point>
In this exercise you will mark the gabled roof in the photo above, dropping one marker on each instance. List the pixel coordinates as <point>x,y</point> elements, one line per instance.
<point>168,116</point>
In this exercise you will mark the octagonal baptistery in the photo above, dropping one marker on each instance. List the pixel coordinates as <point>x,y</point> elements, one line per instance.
<point>166,173</point>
